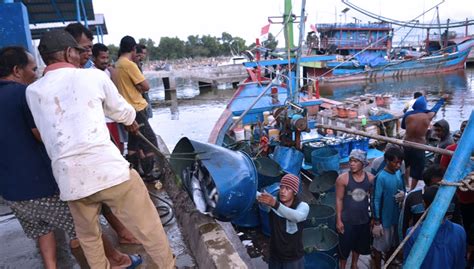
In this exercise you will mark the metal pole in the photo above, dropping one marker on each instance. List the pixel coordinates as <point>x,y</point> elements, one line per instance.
<point>455,172</point>
<point>78,11</point>
<point>251,106</point>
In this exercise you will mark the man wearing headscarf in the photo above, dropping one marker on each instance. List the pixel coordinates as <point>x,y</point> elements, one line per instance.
<point>416,123</point>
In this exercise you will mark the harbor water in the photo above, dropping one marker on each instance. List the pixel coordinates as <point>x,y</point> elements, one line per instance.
<point>198,109</point>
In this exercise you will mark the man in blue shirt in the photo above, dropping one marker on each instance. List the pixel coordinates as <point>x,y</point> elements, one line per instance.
<point>448,249</point>
<point>389,194</point>
<point>26,178</point>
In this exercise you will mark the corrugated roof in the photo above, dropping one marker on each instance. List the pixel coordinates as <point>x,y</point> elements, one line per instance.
<point>44,11</point>
<point>38,30</point>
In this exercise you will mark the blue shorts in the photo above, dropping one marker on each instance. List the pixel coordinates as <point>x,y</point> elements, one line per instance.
<point>355,238</point>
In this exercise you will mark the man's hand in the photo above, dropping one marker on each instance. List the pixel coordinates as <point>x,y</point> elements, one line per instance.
<point>340,226</point>
<point>133,128</point>
<point>377,230</point>
<point>399,197</point>
<point>446,96</point>
<point>266,199</point>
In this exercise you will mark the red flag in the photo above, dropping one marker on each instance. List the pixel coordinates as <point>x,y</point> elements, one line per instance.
<point>313,27</point>
<point>265,29</point>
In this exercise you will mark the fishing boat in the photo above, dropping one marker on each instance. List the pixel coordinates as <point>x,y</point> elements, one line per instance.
<point>364,51</point>
<point>276,124</point>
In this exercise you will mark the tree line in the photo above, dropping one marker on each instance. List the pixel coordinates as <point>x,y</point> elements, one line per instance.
<point>196,46</point>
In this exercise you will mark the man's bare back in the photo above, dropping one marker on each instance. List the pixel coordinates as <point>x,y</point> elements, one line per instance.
<point>417,126</point>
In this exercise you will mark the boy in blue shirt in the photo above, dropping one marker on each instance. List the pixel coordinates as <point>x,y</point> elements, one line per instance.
<point>389,194</point>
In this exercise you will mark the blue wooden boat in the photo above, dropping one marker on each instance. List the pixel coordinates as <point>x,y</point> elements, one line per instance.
<point>364,52</point>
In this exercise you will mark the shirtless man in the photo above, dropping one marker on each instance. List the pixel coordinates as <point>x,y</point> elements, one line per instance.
<point>416,124</point>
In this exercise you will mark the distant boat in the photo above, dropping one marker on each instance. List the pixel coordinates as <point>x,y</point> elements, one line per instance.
<point>364,52</point>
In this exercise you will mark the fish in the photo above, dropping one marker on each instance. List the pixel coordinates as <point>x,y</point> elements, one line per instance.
<point>197,195</point>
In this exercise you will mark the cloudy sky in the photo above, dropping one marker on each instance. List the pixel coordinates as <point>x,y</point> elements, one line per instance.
<point>245,18</point>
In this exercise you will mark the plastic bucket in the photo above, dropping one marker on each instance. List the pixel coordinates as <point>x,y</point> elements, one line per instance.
<point>290,159</point>
<point>264,219</point>
<point>309,147</point>
<point>268,170</point>
<point>360,143</point>
<point>248,219</point>
<point>321,214</point>
<point>325,159</point>
<point>321,239</point>
<point>318,260</point>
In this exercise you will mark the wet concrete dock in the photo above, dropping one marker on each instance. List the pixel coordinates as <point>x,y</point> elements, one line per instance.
<point>19,252</point>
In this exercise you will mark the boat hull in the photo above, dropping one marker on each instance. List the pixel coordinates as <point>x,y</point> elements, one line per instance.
<point>348,71</point>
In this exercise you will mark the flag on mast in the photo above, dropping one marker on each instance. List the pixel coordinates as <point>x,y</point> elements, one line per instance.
<point>265,30</point>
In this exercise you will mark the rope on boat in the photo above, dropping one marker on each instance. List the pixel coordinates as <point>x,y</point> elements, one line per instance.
<point>467,184</point>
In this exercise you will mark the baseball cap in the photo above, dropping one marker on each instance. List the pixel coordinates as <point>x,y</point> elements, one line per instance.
<point>57,40</point>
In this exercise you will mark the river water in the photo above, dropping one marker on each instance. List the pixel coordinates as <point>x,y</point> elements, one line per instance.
<point>199,109</point>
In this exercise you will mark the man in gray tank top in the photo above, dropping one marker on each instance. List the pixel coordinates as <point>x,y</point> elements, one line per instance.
<point>352,209</point>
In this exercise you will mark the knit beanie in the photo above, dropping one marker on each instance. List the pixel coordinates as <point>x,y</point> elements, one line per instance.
<point>291,181</point>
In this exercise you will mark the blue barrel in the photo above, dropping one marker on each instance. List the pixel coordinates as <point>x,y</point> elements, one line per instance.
<point>321,239</point>
<point>324,159</point>
<point>321,214</point>
<point>231,173</point>
<point>361,143</point>
<point>290,159</point>
<point>249,219</point>
<point>318,260</point>
<point>264,219</point>
<point>308,148</point>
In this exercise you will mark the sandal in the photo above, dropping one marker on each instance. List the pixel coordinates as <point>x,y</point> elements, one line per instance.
<point>136,260</point>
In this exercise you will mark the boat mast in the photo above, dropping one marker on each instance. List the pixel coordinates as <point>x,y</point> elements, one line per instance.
<point>299,51</point>
<point>288,21</point>
<point>439,29</point>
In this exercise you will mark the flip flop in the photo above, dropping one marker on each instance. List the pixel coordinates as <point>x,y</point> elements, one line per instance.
<point>136,260</point>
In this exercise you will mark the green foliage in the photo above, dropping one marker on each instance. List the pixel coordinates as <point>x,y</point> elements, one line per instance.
<point>194,46</point>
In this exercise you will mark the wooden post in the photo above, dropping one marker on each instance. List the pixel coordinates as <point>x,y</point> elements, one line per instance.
<point>388,139</point>
<point>169,84</point>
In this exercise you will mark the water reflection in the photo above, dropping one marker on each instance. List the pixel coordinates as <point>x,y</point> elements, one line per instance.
<point>200,108</point>
<point>458,84</point>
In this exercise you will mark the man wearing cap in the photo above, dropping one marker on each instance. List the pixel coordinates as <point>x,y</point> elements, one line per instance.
<point>26,181</point>
<point>89,169</point>
<point>286,221</point>
<point>352,209</point>
<point>448,249</point>
<point>132,84</point>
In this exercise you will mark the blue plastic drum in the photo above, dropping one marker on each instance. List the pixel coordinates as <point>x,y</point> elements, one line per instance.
<point>325,159</point>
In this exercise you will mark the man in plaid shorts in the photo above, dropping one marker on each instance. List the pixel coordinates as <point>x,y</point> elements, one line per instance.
<point>26,178</point>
